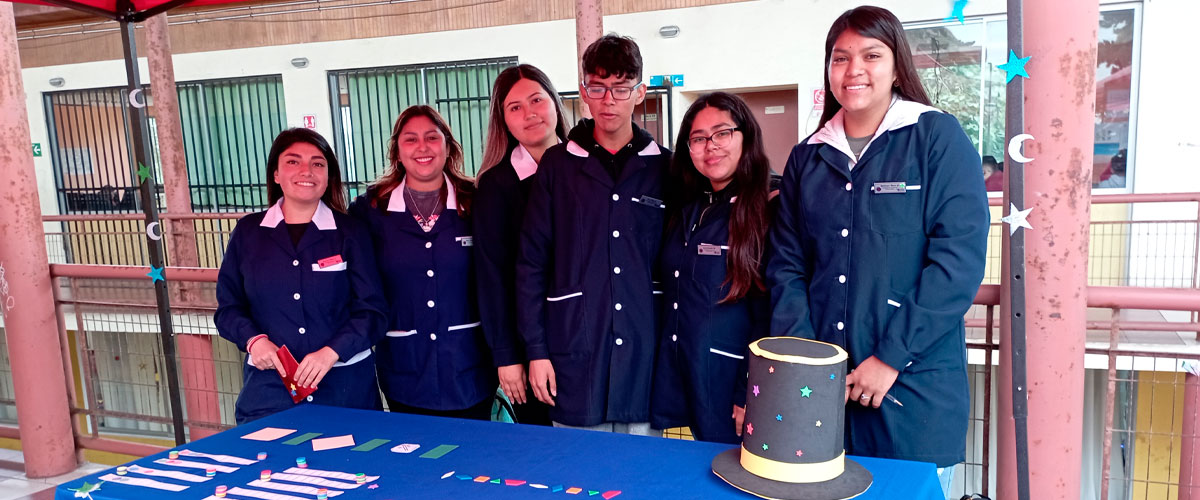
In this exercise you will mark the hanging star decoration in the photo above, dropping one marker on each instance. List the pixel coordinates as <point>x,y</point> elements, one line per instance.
<point>770,369</point>
<point>765,447</point>
<point>799,453</point>
<point>750,429</point>
<point>755,391</point>
<point>779,417</point>
<point>1016,219</point>
<point>143,173</point>
<point>957,13</point>
<point>805,391</point>
<point>832,377</point>
<point>155,274</point>
<point>86,490</point>
<point>1014,67</point>
<point>818,423</point>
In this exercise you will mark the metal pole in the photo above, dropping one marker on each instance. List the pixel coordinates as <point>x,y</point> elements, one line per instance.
<point>26,300</point>
<point>195,350</point>
<point>1189,466</point>
<point>138,127</point>
<point>1060,106</point>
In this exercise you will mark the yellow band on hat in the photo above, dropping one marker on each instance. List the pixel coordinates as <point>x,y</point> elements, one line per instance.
<point>793,473</point>
<point>804,360</point>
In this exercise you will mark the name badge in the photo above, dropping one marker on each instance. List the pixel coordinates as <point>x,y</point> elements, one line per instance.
<point>707,249</point>
<point>466,241</point>
<point>329,261</point>
<point>888,188</point>
<point>650,201</point>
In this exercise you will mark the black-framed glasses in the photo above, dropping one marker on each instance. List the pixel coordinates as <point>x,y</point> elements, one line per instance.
<point>719,139</point>
<point>618,93</point>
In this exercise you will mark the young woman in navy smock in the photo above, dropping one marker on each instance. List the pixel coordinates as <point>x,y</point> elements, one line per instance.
<point>879,244</point>
<point>711,265</point>
<point>302,274</point>
<point>433,359</point>
<point>526,119</point>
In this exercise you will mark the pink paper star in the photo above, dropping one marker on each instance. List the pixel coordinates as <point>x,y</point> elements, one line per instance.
<point>756,391</point>
<point>799,453</point>
<point>771,369</point>
<point>750,429</point>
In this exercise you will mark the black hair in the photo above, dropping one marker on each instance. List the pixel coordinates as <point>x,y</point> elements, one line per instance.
<point>613,55</point>
<point>335,194</point>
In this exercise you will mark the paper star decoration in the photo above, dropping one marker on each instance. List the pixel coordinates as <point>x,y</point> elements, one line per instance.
<point>765,446</point>
<point>805,391</point>
<point>818,423</point>
<point>86,490</point>
<point>1016,219</point>
<point>1014,67</point>
<point>755,391</point>
<point>155,274</point>
<point>799,453</point>
<point>771,369</point>
<point>779,417</point>
<point>957,13</point>
<point>832,377</point>
<point>143,173</point>
<point>750,429</point>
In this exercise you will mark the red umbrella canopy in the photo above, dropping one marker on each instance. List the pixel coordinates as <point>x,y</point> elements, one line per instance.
<point>130,10</point>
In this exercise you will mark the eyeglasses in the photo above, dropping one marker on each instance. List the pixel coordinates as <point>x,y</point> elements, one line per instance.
<point>719,139</point>
<point>618,93</point>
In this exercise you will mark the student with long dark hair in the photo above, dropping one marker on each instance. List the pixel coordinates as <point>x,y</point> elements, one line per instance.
<point>711,264</point>
<point>879,245</point>
<point>526,118</point>
<point>433,359</point>
<point>301,275</point>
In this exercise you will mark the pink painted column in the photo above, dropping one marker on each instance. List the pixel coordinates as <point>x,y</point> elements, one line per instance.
<point>25,287</point>
<point>1060,99</point>
<point>195,351</point>
<point>589,27</point>
<point>1189,465</point>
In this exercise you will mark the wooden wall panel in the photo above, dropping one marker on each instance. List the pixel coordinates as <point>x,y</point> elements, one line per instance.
<point>232,28</point>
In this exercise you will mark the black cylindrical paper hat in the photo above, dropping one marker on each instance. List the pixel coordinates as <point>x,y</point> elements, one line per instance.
<point>793,436</point>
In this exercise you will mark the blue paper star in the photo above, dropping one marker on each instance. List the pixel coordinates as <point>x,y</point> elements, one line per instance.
<point>805,391</point>
<point>957,13</point>
<point>155,274</point>
<point>779,418</point>
<point>1014,67</point>
<point>832,377</point>
<point>765,446</point>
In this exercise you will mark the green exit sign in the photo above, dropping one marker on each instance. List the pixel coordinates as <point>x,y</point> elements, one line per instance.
<point>37,149</point>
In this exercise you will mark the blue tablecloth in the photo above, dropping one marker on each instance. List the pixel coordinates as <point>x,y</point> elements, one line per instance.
<point>532,457</point>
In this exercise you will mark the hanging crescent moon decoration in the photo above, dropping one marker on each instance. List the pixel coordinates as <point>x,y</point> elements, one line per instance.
<point>152,233</point>
<point>133,98</point>
<point>1014,148</point>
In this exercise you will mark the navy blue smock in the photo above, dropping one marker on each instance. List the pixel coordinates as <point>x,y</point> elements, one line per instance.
<point>884,256</point>
<point>499,204</point>
<point>433,355</point>
<point>584,288</point>
<point>268,285</point>
<point>700,370</point>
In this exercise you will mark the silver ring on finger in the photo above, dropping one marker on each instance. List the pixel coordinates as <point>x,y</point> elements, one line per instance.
<point>865,397</point>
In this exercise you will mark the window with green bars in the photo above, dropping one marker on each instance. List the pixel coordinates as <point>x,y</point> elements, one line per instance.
<point>228,126</point>
<point>367,101</point>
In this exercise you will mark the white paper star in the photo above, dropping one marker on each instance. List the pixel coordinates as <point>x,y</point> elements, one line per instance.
<point>1016,219</point>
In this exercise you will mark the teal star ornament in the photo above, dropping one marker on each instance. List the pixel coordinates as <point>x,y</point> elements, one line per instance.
<point>957,13</point>
<point>805,391</point>
<point>155,274</point>
<point>143,173</point>
<point>1014,67</point>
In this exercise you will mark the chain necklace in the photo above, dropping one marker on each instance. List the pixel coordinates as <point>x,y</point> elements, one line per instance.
<point>426,222</point>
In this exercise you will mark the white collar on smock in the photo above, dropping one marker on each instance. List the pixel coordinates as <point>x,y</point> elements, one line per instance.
<point>323,217</point>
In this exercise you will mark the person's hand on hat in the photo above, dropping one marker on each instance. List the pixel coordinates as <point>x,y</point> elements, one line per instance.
<point>739,416</point>
<point>870,382</point>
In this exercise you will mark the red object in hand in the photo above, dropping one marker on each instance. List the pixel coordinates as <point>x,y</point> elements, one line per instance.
<point>289,382</point>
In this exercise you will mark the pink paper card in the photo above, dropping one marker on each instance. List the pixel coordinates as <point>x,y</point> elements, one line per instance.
<point>268,434</point>
<point>330,443</point>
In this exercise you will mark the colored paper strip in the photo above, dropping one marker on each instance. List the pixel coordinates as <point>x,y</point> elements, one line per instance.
<point>303,438</point>
<point>440,451</point>
<point>371,445</point>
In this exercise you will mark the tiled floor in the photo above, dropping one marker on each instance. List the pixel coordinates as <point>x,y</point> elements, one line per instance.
<point>14,485</point>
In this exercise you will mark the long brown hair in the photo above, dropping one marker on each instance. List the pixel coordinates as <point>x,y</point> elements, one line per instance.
<point>499,139</point>
<point>880,24</point>
<point>382,188</point>
<point>335,194</point>
<point>749,217</point>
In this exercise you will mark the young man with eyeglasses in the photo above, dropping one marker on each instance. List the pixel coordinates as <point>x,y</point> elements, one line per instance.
<point>591,234</point>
